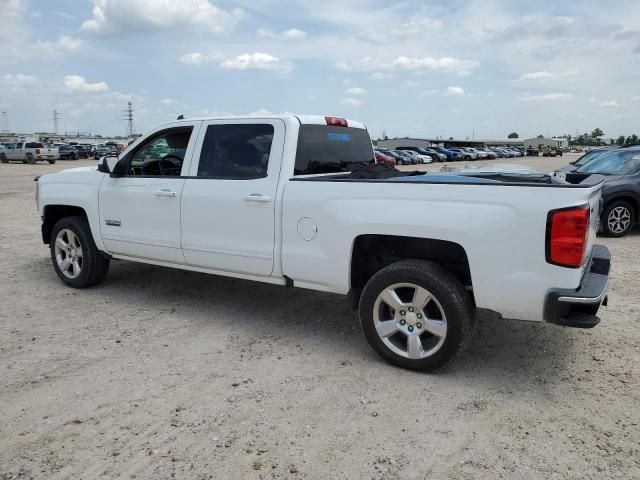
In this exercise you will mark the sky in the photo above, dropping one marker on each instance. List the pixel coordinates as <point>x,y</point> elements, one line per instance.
<point>420,69</point>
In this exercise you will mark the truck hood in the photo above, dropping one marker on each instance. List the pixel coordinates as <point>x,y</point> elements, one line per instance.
<point>71,175</point>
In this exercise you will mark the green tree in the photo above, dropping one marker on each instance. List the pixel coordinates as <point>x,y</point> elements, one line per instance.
<point>620,140</point>
<point>632,139</point>
<point>540,136</point>
<point>513,135</point>
<point>597,135</point>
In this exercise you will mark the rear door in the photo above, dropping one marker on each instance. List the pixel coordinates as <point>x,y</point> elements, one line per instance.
<point>228,202</point>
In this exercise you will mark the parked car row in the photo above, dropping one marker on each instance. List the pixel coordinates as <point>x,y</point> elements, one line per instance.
<point>32,152</point>
<point>418,155</point>
<point>621,191</point>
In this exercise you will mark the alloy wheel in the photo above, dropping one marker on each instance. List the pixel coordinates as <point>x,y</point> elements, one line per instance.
<point>68,253</point>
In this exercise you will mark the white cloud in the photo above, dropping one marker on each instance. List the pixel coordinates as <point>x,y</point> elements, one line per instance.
<point>19,80</point>
<point>255,61</point>
<point>380,76</point>
<point>355,91</point>
<point>547,97</point>
<point>636,98</point>
<point>350,102</point>
<point>291,34</point>
<point>197,58</point>
<point>77,83</point>
<point>455,91</point>
<point>609,103</point>
<point>544,75</point>
<point>64,44</point>
<point>294,34</point>
<point>112,16</point>
<point>168,101</point>
<point>444,64</point>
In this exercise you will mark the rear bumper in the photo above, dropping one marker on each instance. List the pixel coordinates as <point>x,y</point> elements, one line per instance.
<point>578,308</point>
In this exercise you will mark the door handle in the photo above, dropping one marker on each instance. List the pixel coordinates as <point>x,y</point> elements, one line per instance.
<point>165,192</point>
<point>256,197</point>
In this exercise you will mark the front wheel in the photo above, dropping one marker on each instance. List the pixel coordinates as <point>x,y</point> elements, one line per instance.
<point>74,254</point>
<point>618,219</point>
<point>416,314</point>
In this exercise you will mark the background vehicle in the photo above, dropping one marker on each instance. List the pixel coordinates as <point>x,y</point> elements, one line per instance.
<point>418,157</point>
<point>68,152</point>
<point>384,159</point>
<point>450,155</point>
<point>432,155</point>
<point>462,154</point>
<point>104,150</point>
<point>419,272</point>
<point>532,152</point>
<point>82,151</point>
<point>621,189</point>
<point>29,152</point>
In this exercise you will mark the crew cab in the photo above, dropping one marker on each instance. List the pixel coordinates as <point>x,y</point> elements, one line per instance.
<point>298,201</point>
<point>29,152</point>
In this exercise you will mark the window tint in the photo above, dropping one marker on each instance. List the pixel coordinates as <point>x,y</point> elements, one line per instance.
<point>163,154</point>
<point>327,149</point>
<point>33,145</point>
<point>236,151</point>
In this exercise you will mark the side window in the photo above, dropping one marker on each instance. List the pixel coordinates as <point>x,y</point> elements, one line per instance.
<point>162,154</point>
<point>236,151</point>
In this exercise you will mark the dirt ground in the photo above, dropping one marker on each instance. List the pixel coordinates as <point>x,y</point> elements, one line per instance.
<point>159,373</point>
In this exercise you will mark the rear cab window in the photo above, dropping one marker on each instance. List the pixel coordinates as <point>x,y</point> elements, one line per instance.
<point>331,149</point>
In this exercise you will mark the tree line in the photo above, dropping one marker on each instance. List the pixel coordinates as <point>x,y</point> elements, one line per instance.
<point>595,139</point>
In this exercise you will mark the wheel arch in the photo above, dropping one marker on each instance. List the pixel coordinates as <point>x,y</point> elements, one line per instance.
<point>53,213</point>
<point>372,252</point>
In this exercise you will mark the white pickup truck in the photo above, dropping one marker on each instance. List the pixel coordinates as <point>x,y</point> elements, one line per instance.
<point>296,201</point>
<point>29,152</point>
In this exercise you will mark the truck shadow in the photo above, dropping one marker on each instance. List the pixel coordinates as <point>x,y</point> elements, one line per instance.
<point>324,320</point>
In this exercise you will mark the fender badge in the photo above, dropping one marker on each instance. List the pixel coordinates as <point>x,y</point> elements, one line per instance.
<point>113,223</point>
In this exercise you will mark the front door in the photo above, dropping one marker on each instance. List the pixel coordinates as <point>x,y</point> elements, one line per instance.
<point>140,211</point>
<point>228,202</point>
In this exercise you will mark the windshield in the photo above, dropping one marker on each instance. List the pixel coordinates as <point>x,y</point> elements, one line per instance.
<point>614,163</point>
<point>587,157</point>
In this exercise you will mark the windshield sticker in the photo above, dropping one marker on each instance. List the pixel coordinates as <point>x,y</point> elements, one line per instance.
<point>339,137</point>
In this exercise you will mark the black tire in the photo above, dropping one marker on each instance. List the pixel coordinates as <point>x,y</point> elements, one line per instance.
<point>51,162</point>
<point>444,287</point>
<point>619,206</point>
<point>94,264</point>
<point>30,159</point>
<point>4,159</point>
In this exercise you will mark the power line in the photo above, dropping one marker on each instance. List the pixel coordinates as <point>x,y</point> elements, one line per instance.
<point>4,124</point>
<point>129,118</point>
<point>56,117</point>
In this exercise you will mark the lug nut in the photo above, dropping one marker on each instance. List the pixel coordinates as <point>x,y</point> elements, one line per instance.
<point>410,328</point>
<point>411,309</point>
<point>403,321</point>
<point>403,313</point>
<point>419,315</point>
<point>419,325</point>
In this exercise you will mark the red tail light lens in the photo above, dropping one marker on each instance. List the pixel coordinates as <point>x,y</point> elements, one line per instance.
<point>567,232</point>
<point>37,151</point>
<point>336,122</point>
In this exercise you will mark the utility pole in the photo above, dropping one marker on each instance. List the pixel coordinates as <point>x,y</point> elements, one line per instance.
<point>4,125</point>
<point>56,117</point>
<point>129,118</point>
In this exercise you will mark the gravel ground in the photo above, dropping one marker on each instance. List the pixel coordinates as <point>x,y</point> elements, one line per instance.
<point>159,373</point>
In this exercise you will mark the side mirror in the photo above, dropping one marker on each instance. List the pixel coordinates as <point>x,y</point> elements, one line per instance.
<point>108,164</point>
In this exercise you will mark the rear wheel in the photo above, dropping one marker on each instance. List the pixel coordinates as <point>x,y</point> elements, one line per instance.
<point>74,254</point>
<point>618,219</point>
<point>30,159</point>
<point>52,161</point>
<point>3,158</point>
<point>416,315</point>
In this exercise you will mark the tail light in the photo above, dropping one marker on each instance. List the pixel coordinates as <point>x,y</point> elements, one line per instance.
<point>567,232</point>
<point>37,151</point>
<point>336,122</point>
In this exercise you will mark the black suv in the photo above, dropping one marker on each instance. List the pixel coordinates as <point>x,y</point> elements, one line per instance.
<point>621,190</point>
<point>67,152</point>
